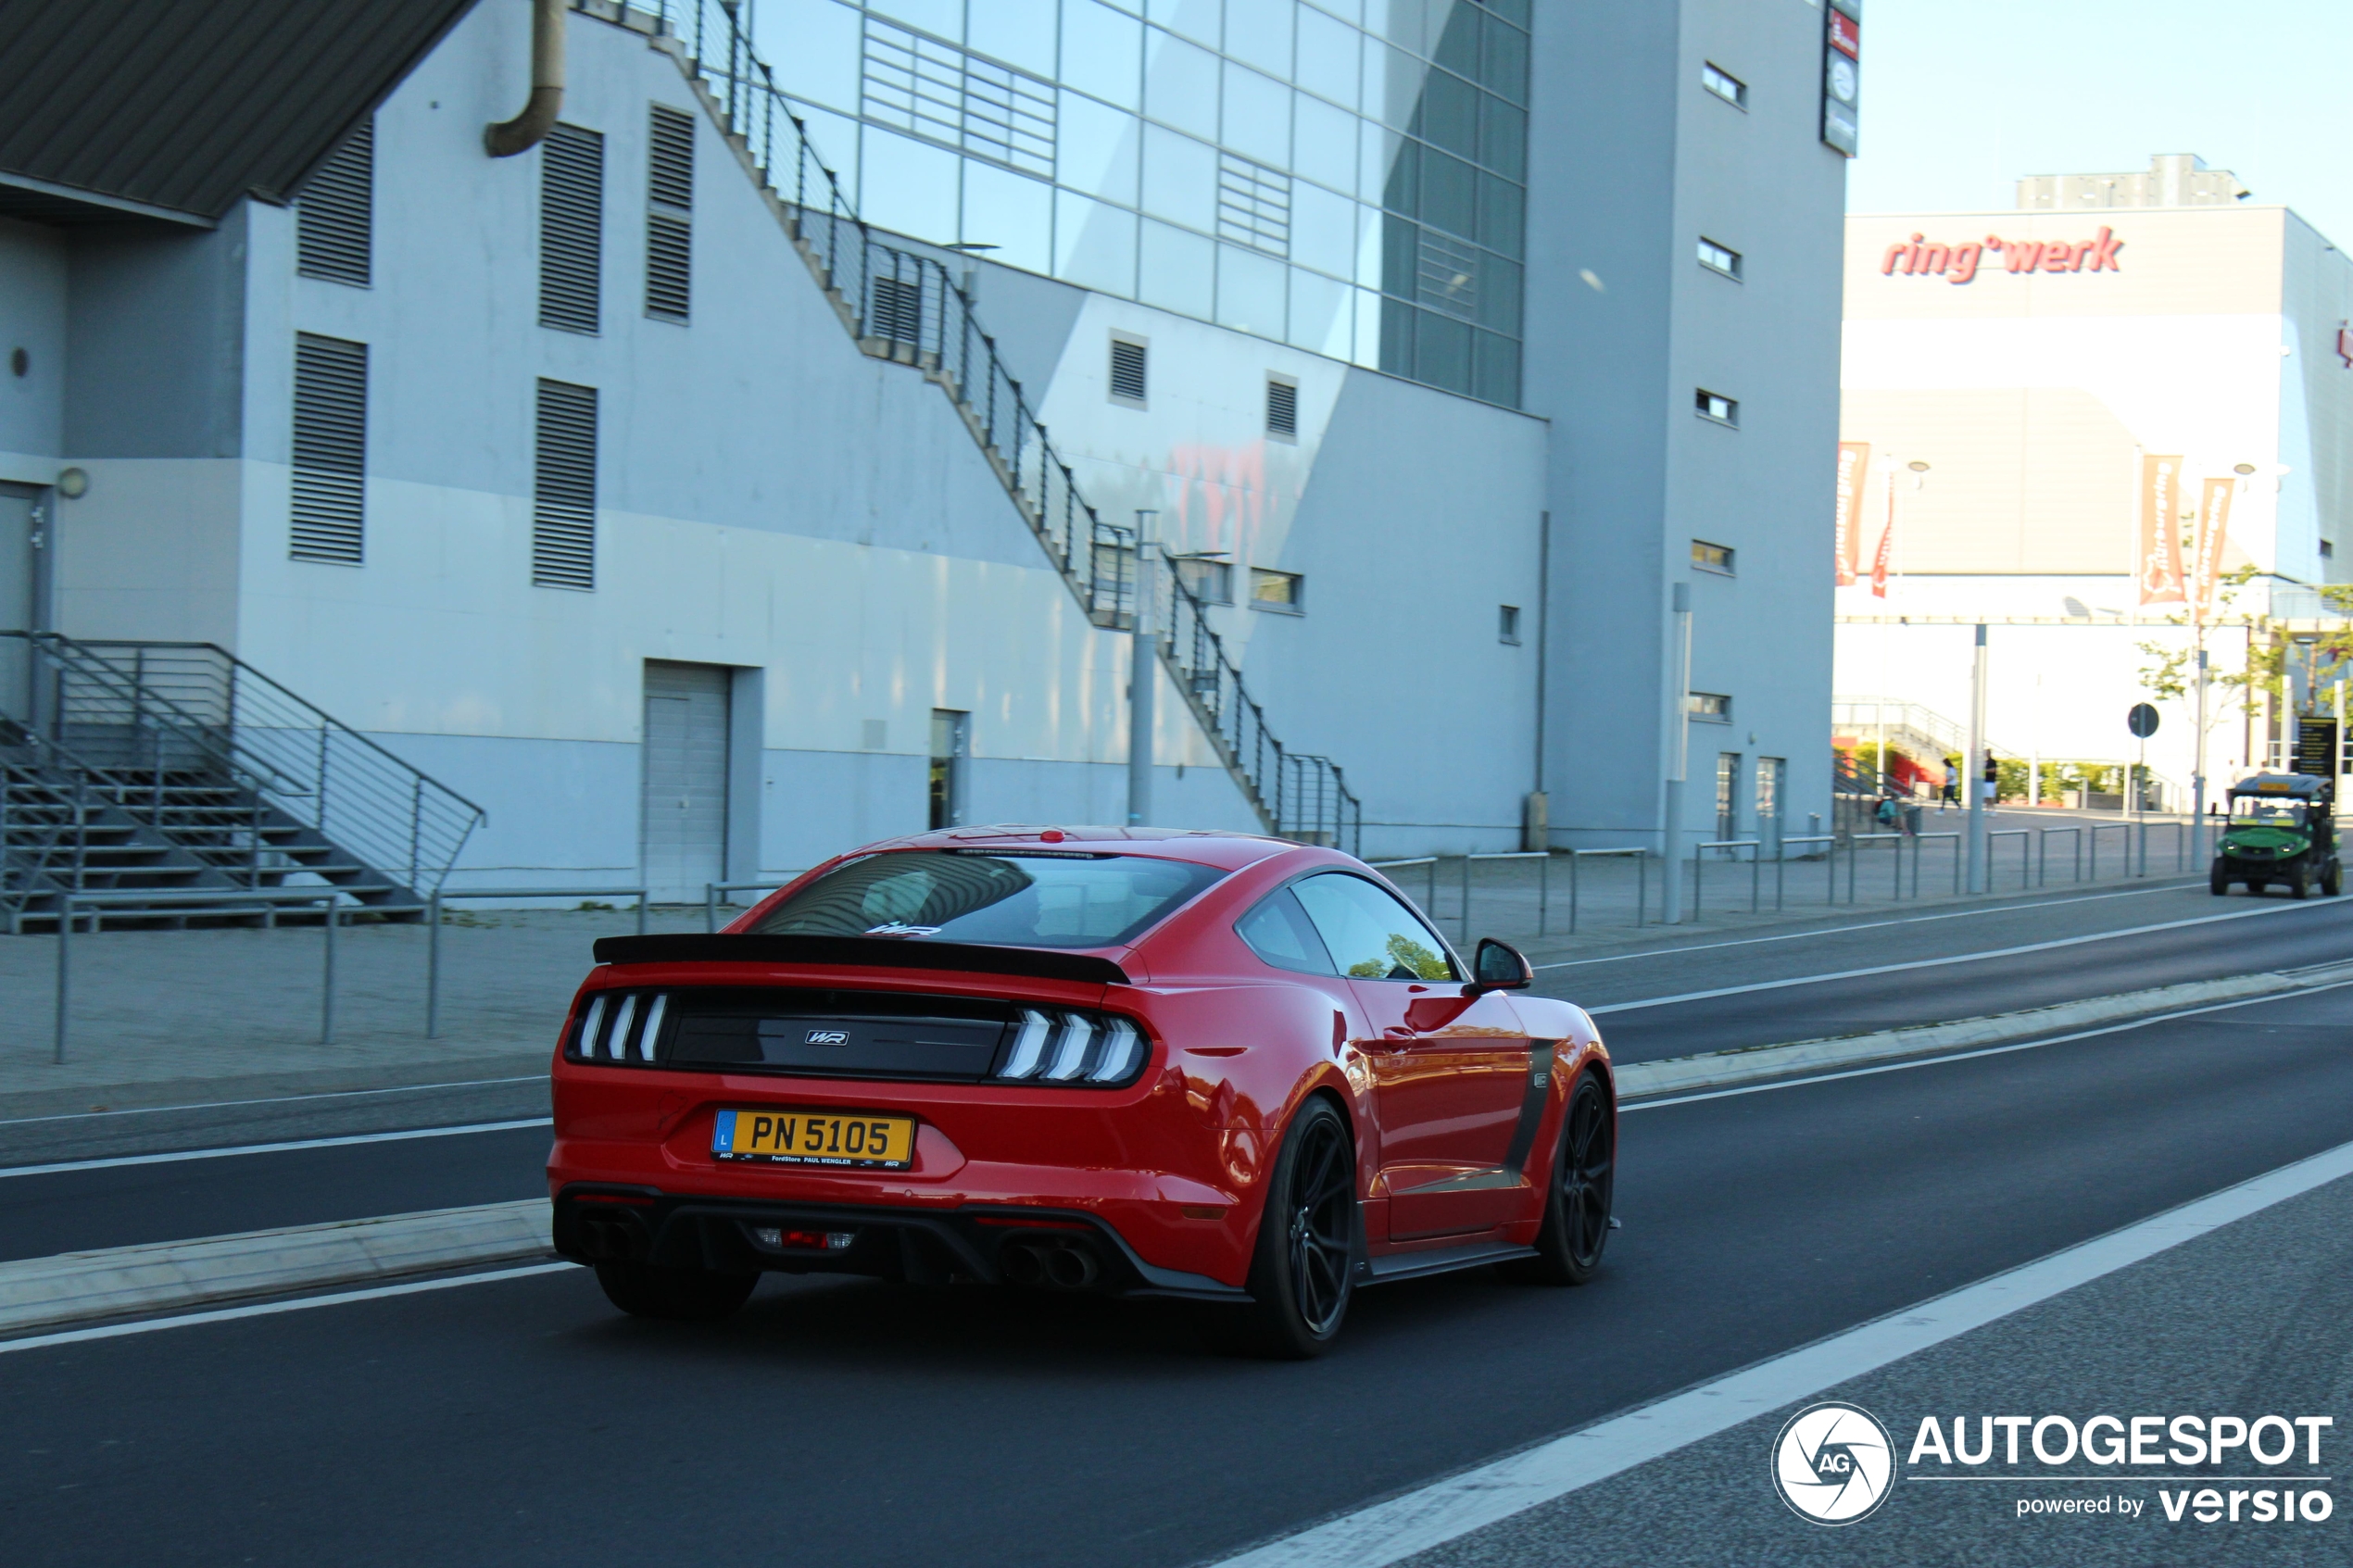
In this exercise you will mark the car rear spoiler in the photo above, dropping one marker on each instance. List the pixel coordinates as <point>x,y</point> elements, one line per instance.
<point>860,952</point>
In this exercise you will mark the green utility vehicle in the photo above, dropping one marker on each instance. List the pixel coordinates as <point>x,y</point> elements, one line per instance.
<point>2282,829</point>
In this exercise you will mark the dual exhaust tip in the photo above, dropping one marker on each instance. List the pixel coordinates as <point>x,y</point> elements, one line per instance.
<point>1051,1264</point>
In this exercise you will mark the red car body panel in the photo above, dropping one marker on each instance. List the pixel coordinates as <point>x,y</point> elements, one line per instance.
<point>1435,1086</point>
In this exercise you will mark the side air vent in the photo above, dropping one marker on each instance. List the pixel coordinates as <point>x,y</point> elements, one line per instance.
<point>1282,406</point>
<point>330,450</point>
<point>670,203</point>
<point>571,221</point>
<point>563,500</point>
<point>336,212</point>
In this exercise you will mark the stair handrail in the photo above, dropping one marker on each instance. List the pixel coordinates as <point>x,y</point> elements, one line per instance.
<point>902,309</point>
<point>454,817</point>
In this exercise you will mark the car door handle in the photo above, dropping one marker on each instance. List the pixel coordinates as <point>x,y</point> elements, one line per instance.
<point>1396,1032</point>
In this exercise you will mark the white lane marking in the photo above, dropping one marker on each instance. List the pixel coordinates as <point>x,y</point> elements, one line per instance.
<point>1440,1512</point>
<point>1870,925</point>
<point>110,1163</point>
<point>1986,1050</point>
<point>271,1099</point>
<point>1958,958</point>
<point>264,1308</point>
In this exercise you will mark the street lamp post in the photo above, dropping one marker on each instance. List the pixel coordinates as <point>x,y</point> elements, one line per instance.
<point>1973,768</point>
<point>1143,676</point>
<point>1679,736</point>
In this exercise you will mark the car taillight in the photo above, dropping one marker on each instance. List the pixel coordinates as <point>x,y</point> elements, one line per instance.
<point>1066,1045</point>
<point>620,1026</point>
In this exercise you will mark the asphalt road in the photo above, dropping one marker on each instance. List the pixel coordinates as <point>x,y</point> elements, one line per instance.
<point>852,1423</point>
<point>2237,935</point>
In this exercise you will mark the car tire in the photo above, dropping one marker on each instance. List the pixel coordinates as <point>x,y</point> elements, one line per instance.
<point>678,1294</point>
<point>1576,1225</point>
<point>2216,882</point>
<point>2332,880</point>
<point>2300,883</point>
<point>1302,1271</point>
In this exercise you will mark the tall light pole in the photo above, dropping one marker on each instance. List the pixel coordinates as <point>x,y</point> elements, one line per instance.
<point>1679,750</point>
<point>1974,766</point>
<point>1143,676</point>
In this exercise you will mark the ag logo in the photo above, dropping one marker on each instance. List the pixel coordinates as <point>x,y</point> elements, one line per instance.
<point>1834,1464</point>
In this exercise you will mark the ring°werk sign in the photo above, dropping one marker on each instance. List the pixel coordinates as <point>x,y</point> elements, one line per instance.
<point>1921,258</point>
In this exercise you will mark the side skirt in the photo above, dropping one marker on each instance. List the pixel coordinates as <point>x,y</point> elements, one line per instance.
<point>1414,1265</point>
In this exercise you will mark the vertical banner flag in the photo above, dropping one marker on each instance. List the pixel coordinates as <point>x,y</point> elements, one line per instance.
<point>2213,527</point>
<point>1854,463</point>
<point>1886,549</point>
<point>2160,568</point>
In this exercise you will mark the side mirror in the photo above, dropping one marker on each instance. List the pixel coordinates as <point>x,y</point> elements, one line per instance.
<point>1499,966</point>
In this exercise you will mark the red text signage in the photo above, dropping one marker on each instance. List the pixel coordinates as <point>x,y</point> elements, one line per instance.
<point>1920,258</point>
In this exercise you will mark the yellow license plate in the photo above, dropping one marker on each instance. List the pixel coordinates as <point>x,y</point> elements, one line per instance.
<point>815,1137</point>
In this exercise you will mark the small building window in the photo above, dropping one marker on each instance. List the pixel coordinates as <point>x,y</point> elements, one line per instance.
<point>1211,580</point>
<point>1719,258</point>
<point>1712,558</point>
<point>2328,548</point>
<point>1280,591</point>
<point>950,744</point>
<point>1128,379</point>
<point>1282,408</point>
<point>1713,707</point>
<point>1724,84</point>
<point>1714,406</point>
<point>1507,624</point>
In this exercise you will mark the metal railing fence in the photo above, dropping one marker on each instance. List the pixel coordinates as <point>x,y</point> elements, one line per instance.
<point>711,890</point>
<point>909,308</point>
<point>71,907</point>
<point>441,896</point>
<point>162,710</point>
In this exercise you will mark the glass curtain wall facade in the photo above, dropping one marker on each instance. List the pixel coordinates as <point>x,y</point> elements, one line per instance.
<point>1347,175</point>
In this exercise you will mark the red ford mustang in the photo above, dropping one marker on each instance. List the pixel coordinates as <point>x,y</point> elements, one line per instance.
<point>1149,1063</point>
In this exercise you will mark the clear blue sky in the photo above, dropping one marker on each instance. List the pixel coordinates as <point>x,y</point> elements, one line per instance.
<point>1961,97</point>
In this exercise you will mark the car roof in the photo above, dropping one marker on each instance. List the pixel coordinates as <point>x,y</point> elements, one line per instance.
<point>1228,851</point>
<point>2297,784</point>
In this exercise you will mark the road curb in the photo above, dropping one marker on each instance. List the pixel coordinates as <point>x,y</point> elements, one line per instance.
<point>1714,1070</point>
<point>71,1286</point>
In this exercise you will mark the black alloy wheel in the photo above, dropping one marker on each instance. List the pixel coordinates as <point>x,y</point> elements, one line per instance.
<point>680,1294</point>
<point>1301,1273</point>
<point>1576,1225</point>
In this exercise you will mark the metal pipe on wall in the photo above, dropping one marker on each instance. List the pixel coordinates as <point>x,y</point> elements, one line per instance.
<point>538,117</point>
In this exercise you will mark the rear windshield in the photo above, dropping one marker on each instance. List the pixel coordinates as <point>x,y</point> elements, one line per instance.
<point>1010,898</point>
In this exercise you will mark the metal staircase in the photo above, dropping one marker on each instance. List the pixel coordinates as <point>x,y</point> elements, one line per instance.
<point>907,309</point>
<point>176,768</point>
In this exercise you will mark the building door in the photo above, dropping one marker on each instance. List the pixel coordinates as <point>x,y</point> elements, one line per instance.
<point>950,744</point>
<point>686,807</point>
<point>19,602</point>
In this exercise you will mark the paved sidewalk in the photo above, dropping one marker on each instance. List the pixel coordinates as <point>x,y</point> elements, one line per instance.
<point>170,1017</point>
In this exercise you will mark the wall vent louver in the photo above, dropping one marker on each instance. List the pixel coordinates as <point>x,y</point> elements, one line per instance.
<point>572,221</point>
<point>1128,378</point>
<point>330,450</point>
<point>563,499</point>
<point>670,202</point>
<point>336,212</point>
<point>1282,408</point>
